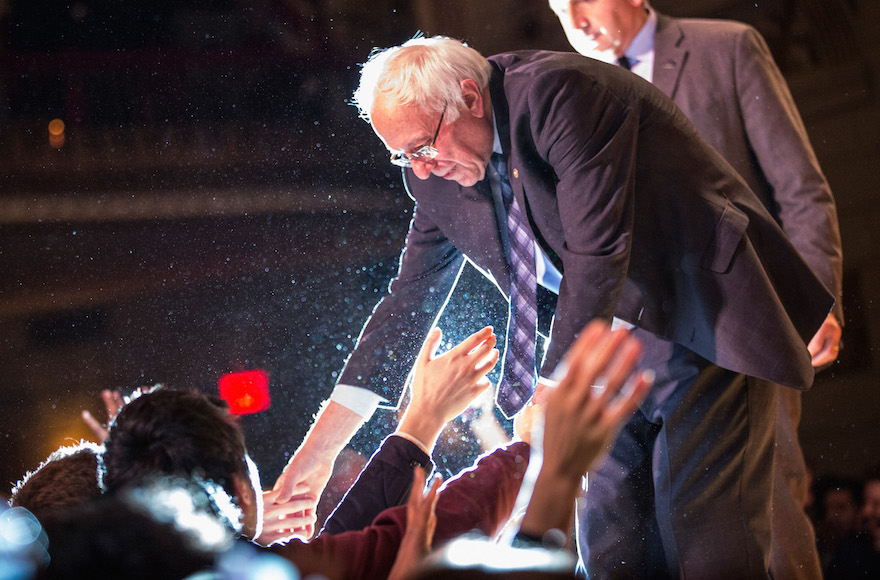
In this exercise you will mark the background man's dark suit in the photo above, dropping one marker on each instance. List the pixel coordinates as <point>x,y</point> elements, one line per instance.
<point>723,77</point>
<point>646,222</point>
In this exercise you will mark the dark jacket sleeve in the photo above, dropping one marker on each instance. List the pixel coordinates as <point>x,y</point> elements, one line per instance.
<point>389,342</point>
<point>384,482</point>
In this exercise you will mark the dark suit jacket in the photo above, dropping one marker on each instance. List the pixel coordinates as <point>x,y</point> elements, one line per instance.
<point>645,220</point>
<point>751,119</point>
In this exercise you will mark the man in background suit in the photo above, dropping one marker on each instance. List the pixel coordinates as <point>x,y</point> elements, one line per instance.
<point>723,77</point>
<point>638,218</point>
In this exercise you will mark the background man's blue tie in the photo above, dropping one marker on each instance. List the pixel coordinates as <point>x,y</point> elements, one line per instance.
<point>518,374</point>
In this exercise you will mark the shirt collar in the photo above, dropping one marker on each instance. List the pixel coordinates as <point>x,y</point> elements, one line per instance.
<point>642,45</point>
<point>496,144</point>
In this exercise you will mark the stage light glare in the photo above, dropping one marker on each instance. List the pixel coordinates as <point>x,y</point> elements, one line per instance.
<point>245,392</point>
<point>56,127</point>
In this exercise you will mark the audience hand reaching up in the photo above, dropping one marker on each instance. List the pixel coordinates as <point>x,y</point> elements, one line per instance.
<point>582,420</point>
<point>443,386</point>
<point>113,401</point>
<point>421,520</point>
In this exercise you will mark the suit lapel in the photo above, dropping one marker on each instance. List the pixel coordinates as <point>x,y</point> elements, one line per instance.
<point>670,55</point>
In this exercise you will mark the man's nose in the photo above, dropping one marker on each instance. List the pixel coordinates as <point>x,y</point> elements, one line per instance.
<point>423,167</point>
<point>578,20</point>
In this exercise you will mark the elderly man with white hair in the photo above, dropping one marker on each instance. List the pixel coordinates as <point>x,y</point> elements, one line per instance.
<point>548,168</point>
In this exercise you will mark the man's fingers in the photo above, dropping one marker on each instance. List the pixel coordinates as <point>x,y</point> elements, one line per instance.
<point>429,349</point>
<point>620,367</point>
<point>286,490</point>
<point>624,405</point>
<point>488,361</point>
<point>591,357</point>
<point>112,402</point>
<point>585,342</point>
<point>473,341</point>
<point>273,506</point>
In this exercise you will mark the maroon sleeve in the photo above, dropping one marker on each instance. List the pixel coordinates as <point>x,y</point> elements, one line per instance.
<point>478,498</point>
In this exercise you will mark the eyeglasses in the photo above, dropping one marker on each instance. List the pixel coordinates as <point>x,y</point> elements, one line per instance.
<point>423,153</point>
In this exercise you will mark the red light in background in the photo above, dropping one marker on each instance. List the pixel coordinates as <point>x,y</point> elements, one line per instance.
<point>246,391</point>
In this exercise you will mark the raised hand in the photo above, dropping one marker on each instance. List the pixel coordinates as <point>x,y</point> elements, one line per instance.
<point>421,520</point>
<point>443,386</point>
<point>113,401</point>
<point>600,390</point>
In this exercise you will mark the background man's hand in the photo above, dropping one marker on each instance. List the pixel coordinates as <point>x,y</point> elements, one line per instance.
<point>825,346</point>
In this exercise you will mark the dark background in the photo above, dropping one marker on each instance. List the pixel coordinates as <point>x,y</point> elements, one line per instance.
<point>216,205</point>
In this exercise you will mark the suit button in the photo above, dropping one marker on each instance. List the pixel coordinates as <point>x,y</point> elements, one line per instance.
<point>515,173</point>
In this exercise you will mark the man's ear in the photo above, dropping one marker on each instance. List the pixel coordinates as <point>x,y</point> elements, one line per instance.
<point>245,496</point>
<point>473,97</point>
<point>244,491</point>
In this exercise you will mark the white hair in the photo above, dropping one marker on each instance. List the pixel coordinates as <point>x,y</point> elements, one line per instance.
<point>425,72</point>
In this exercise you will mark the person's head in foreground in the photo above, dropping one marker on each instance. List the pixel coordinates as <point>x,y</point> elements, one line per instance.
<point>189,435</point>
<point>67,478</point>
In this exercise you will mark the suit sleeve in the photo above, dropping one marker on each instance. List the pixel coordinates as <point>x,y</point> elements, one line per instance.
<point>803,199</point>
<point>588,137</point>
<point>390,340</point>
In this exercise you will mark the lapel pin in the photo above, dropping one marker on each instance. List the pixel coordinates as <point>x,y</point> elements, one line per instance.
<point>515,173</point>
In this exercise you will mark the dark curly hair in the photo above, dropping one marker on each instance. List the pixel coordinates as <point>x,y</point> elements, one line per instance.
<point>183,433</point>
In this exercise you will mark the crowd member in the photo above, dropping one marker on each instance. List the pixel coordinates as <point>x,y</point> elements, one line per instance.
<point>623,208</point>
<point>136,535</point>
<point>186,433</point>
<point>67,478</point>
<point>858,554</point>
<point>838,501</point>
<point>723,77</point>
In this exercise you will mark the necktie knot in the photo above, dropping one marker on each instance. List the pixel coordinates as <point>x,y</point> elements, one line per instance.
<point>625,62</point>
<point>497,162</point>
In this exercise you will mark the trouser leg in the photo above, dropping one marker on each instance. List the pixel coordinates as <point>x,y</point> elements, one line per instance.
<point>711,461</point>
<point>793,553</point>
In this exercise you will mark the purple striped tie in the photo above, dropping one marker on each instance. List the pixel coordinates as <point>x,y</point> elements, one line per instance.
<point>518,374</point>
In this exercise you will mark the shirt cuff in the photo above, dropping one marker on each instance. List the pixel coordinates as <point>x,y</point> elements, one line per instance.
<point>414,441</point>
<point>357,399</point>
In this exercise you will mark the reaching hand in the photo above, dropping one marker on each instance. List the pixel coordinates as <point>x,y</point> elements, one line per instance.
<point>113,401</point>
<point>283,521</point>
<point>443,386</point>
<point>583,415</point>
<point>421,520</point>
<point>589,407</point>
<point>309,470</point>
<point>302,482</point>
<point>825,345</point>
